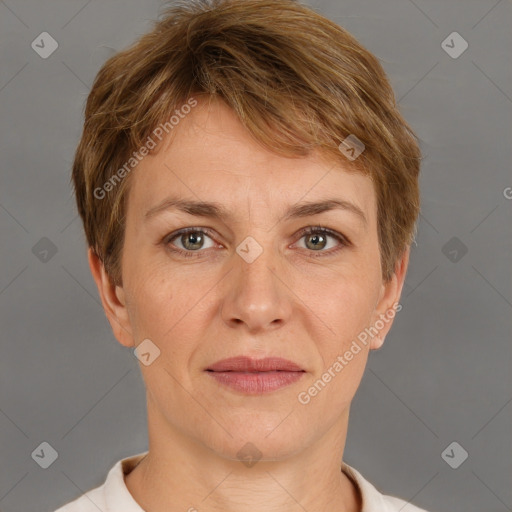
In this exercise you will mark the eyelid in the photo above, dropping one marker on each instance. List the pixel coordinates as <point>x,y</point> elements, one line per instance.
<point>341,238</point>
<point>328,231</point>
<point>175,234</point>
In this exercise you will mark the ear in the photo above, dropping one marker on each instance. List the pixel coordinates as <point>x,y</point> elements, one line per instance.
<point>388,303</point>
<point>113,300</point>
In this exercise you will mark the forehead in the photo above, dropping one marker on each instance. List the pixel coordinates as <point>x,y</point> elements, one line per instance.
<point>210,156</point>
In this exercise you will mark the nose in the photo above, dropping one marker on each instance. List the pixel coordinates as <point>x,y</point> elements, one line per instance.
<point>256,296</point>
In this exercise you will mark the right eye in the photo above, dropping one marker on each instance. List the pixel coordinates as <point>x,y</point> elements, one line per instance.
<point>188,241</point>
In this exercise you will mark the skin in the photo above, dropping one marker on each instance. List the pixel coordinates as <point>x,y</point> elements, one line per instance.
<point>215,305</point>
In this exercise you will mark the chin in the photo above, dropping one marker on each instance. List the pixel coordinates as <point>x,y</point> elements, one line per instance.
<point>258,437</point>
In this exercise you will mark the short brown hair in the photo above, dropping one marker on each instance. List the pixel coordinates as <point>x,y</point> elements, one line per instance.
<point>296,80</point>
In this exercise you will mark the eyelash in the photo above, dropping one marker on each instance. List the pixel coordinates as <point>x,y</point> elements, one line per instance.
<point>344,242</point>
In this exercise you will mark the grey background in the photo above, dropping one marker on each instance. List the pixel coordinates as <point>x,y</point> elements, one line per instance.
<point>444,372</point>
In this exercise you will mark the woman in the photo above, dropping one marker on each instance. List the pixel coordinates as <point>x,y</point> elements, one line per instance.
<point>249,194</point>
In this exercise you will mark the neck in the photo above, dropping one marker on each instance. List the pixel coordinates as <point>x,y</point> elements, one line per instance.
<point>182,474</point>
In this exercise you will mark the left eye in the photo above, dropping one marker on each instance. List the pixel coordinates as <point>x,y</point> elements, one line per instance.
<point>317,239</point>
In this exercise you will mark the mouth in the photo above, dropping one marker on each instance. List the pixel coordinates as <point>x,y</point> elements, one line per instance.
<point>255,376</point>
<point>244,364</point>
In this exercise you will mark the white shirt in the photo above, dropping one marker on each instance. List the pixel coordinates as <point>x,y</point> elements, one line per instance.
<point>114,496</point>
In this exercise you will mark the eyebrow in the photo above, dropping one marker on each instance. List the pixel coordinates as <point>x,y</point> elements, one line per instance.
<point>217,211</point>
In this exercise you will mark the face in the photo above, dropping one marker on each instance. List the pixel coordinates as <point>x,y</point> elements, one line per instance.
<point>263,274</point>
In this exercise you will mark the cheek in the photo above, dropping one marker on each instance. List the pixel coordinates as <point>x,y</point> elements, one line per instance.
<point>153,305</point>
<point>346,302</point>
<point>167,306</point>
<point>347,307</point>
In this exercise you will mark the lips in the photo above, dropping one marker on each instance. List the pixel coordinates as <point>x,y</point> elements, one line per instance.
<point>255,376</point>
<point>249,365</point>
